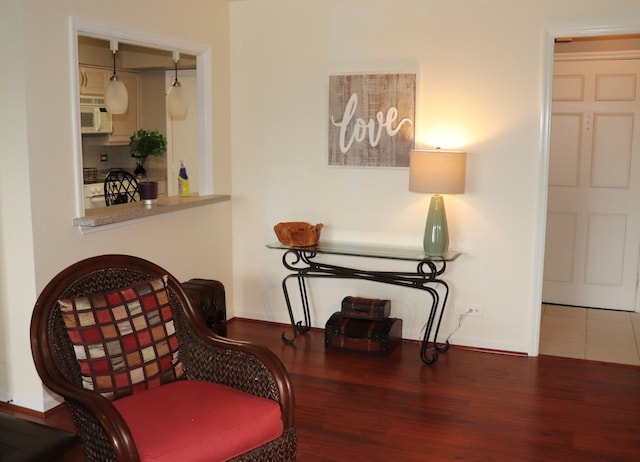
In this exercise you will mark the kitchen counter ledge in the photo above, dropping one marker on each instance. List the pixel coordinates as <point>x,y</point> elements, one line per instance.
<point>105,217</point>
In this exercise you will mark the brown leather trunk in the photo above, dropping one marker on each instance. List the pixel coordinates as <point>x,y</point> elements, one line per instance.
<point>209,297</point>
<point>366,335</point>
<point>366,308</point>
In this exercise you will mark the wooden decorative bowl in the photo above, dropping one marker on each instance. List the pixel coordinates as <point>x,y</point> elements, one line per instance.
<point>298,233</point>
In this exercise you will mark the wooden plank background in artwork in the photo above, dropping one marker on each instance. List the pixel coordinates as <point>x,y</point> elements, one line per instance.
<point>376,95</point>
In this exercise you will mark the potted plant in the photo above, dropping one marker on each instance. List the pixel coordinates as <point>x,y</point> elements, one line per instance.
<point>144,143</point>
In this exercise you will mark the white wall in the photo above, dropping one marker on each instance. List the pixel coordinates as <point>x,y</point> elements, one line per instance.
<point>37,237</point>
<point>16,237</point>
<point>481,74</point>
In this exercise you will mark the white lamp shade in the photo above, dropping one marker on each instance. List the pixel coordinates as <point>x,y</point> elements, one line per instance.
<point>116,98</point>
<point>437,172</point>
<point>177,104</point>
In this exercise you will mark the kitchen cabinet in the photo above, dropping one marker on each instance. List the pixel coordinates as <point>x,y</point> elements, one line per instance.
<point>92,80</point>
<point>124,125</point>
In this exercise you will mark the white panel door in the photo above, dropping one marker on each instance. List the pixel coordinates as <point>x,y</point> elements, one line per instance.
<point>593,210</point>
<point>183,133</point>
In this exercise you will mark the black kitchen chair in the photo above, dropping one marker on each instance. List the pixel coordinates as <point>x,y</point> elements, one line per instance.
<point>120,187</point>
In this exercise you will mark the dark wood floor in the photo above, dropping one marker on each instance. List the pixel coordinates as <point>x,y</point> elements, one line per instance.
<point>470,405</point>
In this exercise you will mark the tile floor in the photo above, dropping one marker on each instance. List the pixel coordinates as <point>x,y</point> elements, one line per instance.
<point>597,335</point>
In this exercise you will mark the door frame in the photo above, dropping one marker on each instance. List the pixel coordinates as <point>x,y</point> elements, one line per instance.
<point>551,32</point>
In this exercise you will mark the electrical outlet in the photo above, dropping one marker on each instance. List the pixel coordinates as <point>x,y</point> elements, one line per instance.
<point>104,157</point>
<point>470,310</point>
<point>476,310</point>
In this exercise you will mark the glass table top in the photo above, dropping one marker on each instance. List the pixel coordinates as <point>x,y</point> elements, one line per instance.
<point>369,250</point>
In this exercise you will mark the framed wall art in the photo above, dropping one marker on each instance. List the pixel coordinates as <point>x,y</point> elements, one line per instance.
<point>371,119</point>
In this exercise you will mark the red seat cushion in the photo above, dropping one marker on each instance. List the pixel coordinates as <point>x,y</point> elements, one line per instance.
<point>197,421</point>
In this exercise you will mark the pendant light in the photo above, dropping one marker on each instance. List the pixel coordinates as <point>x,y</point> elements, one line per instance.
<point>116,98</point>
<point>177,104</point>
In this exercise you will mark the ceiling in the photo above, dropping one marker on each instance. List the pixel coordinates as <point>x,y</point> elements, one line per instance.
<point>97,52</point>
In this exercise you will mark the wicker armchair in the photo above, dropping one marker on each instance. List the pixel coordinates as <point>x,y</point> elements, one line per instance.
<point>205,357</point>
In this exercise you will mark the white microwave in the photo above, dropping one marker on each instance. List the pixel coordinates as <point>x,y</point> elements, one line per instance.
<point>94,117</point>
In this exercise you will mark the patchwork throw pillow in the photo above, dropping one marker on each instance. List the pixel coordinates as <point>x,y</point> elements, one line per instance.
<point>124,340</point>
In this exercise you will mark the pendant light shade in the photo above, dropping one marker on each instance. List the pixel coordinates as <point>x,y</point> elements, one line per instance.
<point>177,104</point>
<point>116,98</point>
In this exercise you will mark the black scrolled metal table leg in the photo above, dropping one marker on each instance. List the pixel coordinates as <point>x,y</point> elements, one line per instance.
<point>424,345</point>
<point>291,259</point>
<point>297,327</point>
<point>445,346</point>
<point>304,298</point>
<point>430,271</point>
<point>291,317</point>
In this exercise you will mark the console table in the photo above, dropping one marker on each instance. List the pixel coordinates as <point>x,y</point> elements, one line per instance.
<point>302,263</point>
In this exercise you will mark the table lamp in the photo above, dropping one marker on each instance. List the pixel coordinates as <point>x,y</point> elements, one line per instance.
<point>437,172</point>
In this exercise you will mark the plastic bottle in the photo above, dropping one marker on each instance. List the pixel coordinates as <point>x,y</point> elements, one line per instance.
<point>183,180</point>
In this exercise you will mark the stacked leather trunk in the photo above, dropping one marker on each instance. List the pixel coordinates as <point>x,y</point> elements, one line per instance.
<point>363,324</point>
<point>208,296</point>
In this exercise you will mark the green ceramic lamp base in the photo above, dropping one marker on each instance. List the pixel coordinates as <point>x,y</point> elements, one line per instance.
<point>436,233</point>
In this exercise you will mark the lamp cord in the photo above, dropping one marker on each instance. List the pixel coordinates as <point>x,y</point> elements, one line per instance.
<point>460,318</point>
